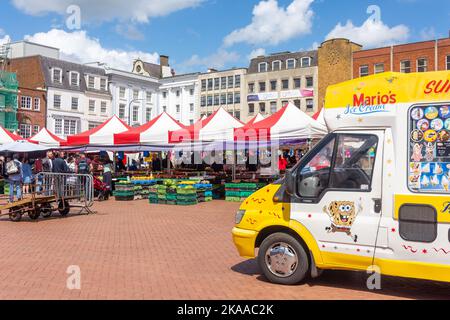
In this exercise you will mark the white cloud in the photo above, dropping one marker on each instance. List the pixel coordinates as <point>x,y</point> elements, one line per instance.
<point>4,39</point>
<point>428,33</point>
<point>272,24</point>
<point>79,47</point>
<point>107,10</point>
<point>129,31</point>
<point>256,53</point>
<point>372,33</point>
<point>217,60</point>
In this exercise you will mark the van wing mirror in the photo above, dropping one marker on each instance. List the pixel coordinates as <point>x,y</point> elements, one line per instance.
<point>289,182</point>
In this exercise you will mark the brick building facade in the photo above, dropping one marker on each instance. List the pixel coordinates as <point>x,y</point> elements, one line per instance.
<point>423,56</point>
<point>32,97</point>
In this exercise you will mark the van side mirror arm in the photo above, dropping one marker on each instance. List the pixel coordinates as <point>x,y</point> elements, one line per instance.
<point>290,183</point>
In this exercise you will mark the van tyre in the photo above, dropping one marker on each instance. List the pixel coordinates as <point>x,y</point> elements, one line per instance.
<point>283,259</point>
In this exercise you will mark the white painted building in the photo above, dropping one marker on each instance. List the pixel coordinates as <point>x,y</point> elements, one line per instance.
<point>78,97</point>
<point>178,96</point>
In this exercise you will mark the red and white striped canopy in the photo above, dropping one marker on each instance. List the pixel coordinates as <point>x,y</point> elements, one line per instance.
<point>153,132</point>
<point>46,138</point>
<point>217,127</point>
<point>103,135</point>
<point>8,137</point>
<point>288,123</point>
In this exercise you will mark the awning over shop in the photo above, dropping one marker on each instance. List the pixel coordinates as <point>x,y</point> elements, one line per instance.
<point>7,136</point>
<point>153,132</point>
<point>46,138</point>
<point>217,127</point>
<point>103,135</point>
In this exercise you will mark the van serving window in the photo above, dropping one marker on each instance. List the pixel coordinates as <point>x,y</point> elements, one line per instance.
<point>346,162</point>
<point>429,149</point>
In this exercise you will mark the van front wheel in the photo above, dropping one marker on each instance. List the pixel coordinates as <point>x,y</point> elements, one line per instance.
<point>283,259</point>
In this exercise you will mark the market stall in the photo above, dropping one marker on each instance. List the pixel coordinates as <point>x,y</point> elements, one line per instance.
<point>7,136</point>
<point>46,138</point>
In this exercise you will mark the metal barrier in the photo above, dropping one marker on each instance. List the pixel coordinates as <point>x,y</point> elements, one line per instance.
<point>71,190</point>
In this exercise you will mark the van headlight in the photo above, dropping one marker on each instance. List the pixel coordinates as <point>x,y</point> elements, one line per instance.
<point>239,216</point>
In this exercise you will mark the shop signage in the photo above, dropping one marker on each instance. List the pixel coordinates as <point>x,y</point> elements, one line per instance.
<point>264,96</point>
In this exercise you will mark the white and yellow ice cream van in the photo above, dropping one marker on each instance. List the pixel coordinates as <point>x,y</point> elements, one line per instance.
<point>374,192</point>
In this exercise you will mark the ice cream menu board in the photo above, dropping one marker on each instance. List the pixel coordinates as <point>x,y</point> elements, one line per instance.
<point>429,168</point>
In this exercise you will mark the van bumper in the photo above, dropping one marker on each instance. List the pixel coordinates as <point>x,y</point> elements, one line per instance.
<point>245,240</point>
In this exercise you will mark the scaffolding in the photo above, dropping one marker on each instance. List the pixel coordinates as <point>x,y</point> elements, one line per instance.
<point>9,88</point>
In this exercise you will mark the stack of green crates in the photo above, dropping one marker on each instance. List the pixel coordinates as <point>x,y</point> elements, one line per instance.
<point>186,195</point>
<point>171,195</point>
<point>237,192</point>
<point>124,191</point>
<point>204,191</point>
<point>153,194</point>
<point>162,194</point>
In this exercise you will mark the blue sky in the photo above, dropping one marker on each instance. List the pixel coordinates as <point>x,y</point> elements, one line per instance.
<point>198,34</point>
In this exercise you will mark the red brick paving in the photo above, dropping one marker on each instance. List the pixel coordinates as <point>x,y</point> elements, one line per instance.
<point>133,250</point>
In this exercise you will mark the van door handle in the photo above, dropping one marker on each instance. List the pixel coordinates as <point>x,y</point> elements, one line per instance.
<point>378,205</point>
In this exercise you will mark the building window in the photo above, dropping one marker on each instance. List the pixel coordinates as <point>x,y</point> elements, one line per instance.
<point>135,117</point>
<point>273,107</point>
<point>276,65</point>
<point>58,126</point>
<point>191,122</point>
<point>405,66</point>
<point>223,83</point>
<point>237,97</point>
<point>216,83</point>
<point>25,103</point>
<point>230,98</point>
<point>191,92</point>
<point>210,101</point>
<point>298,103</point>
<point>237,81</point>
<point>290,63</point>
<point>25,130</point>
<point>178,93</point>
<point>273,85</point>
<point>91,81</point>
<point>251,108</point>
<point>74,105</point>
<point>103,84</point>
<point>306,62</point>
<point>203,85</point>
<point>135,94</point>
<point>309,104</point>
<point>57,101</point>
<point>164,94</point>
<point>74,78</point>
<point>148,96</point>
<point>216,99</point>
<point>92,106</point>
<point>309,82</point>
<point>37,104</point>
<point>262,86</point>
<point>210,84</point>
<point>378,68</point>
<point>164,109</point>
<point>364,71</point>
<point>285,84</point>
<point>251,87</point>
<point>122,111</point>
<point>103,107</point>
<point>297,83</point>
<point>448,62</point>
<point>230,82</point>
<point>148,114</point>
<point>36,129</point>
<point>422,65</point>
<point>223,99</point>
<point>69,126</point>
<point>93,125</point>
<point>262,67</point>
<point>262,107</point>
<point>203,101</point>
<point>177,108</point>
<point>57,75</point>
<point>122,93</point>
<point>191,107</point>
<point>237,115</point>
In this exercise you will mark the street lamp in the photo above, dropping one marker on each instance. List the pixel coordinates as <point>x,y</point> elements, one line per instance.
<point>129,109</point>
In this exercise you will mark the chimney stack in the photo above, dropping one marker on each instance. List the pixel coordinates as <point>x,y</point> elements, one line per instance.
<point>164,61</point>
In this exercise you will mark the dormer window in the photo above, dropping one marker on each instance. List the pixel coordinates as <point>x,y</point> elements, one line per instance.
<point>306,62</point>
<point>262,67</point>
<point>56,75</point>
<point>91,82</point>
<point>74,78</point>
<point>276,65</point>
<point>290,64</point>
<point>103,84</point>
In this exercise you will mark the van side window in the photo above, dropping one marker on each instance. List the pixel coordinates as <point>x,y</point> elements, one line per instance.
<point>354,162</point>
<point>346,162</point>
